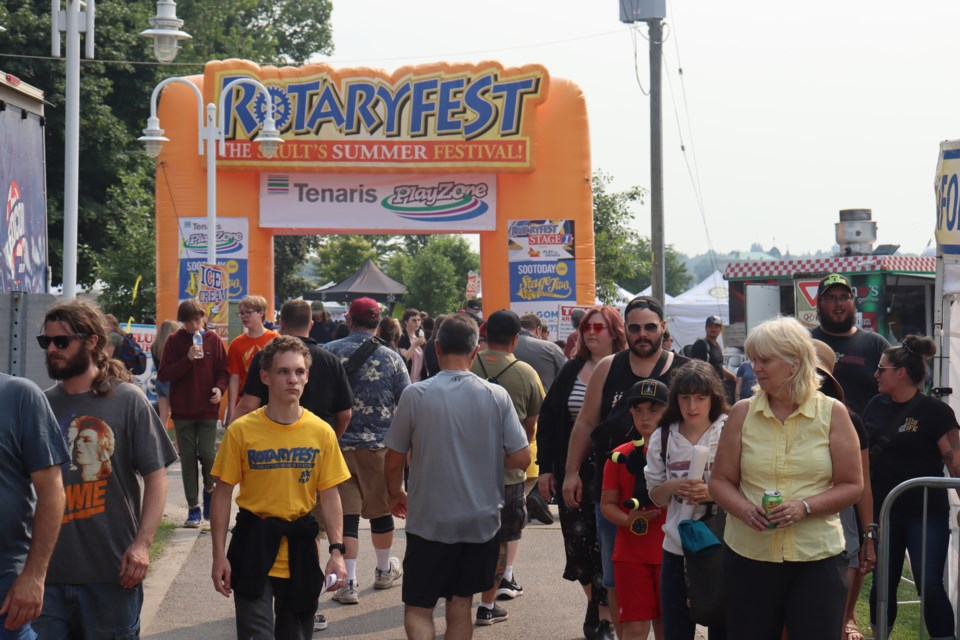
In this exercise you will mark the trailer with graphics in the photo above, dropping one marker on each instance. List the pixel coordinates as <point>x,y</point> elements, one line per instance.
<point>24,296</point>
<point>23,236</point>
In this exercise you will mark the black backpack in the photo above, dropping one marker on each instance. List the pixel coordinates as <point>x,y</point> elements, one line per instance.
<point>131,355</point>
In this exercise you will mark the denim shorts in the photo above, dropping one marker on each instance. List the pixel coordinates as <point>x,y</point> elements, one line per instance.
<point>606,535</point>
<point>95,610</point>
<point>25,632</point>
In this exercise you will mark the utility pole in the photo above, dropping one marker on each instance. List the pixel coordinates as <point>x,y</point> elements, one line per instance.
<point>653,12</point>
<point>658,263</point>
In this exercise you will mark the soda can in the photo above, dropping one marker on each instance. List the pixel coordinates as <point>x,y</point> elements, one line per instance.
<point>771,498</point>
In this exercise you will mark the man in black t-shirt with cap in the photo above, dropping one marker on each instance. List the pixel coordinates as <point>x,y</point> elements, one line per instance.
<point>709,350</point>
<point>858,351</point>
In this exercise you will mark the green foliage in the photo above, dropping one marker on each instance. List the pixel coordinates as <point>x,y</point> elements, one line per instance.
<point>623,257</point>
<point>339,256</point>
<point>678,278</point>
<point>436,277</point>
<point>290,253</point>
<point>115,103</point>
<point>132,265</point>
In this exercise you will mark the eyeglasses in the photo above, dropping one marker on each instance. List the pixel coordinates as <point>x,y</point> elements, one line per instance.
<point>650,327</point>
<point>60,342</point>
<point>245,312</point>
<point>879,368</point>
<point>845,297</point>
<point>594,327</point>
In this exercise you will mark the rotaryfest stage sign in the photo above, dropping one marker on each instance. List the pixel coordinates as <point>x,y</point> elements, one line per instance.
<point>231,255</point>
<point>542,268</point>
<point>410,202</point>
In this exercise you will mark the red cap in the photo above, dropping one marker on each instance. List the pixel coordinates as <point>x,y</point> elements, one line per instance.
<point>364,308</point>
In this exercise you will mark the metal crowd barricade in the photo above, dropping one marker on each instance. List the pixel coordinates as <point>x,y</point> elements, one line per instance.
<point>883,556</point>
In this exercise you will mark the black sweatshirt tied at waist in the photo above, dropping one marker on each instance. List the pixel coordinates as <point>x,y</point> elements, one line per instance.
<point>253,550</point>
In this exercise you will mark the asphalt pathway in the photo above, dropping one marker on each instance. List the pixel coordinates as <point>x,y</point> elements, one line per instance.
<point>181,604</point>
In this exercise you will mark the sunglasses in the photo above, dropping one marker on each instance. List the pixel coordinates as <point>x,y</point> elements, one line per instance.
<point>593,327</point>
<point>650,327</point>
<point>60,342</point>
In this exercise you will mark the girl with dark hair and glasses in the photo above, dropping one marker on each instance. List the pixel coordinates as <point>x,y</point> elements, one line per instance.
<point>912,435</point>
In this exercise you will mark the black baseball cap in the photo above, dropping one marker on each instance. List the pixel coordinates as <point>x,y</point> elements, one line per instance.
<point>644,302</point>
<point>649,390</point>
<point>714,320</point>
<point>834,280</point>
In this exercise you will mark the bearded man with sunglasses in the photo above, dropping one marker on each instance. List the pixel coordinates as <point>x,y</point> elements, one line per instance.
<point>604,420</point>
<point>94,582</point>
<point>858,351</point>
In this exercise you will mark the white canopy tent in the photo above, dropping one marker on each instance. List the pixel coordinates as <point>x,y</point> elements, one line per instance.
<point>687,313</point>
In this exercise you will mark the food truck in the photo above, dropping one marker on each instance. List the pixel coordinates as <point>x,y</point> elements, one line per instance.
<point>895,294</point>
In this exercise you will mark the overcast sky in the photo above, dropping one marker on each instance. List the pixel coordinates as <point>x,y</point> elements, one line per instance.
<point>793,111</point>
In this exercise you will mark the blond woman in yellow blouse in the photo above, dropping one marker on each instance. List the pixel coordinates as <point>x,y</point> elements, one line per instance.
<point>786,567</point>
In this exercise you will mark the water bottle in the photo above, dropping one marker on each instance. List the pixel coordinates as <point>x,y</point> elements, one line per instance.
<point>198,341</point>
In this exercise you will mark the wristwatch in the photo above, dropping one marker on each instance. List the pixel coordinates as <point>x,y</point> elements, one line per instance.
<point>872,535</point>
<point>337,546</point>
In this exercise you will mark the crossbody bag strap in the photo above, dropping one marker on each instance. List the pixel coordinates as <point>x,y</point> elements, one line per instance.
<point>361,355</point>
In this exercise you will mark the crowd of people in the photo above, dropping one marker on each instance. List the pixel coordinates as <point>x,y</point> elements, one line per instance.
<point>467,427</point>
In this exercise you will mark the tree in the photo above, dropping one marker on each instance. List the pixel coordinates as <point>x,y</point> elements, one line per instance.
<point>623,257</point>
<point>678,278</point>
<point>115,102</point>
<point>290,253</point>
<point>339,256</point>
<point>436,276</point>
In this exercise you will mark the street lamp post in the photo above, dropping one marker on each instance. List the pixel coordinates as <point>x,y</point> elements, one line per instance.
<point>211,132</point>
<point>73,21</point>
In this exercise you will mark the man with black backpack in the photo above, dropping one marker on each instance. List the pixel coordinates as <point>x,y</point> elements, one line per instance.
<point>378,375</point>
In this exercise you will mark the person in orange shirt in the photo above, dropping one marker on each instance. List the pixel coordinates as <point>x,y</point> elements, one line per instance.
<point>254,338</point>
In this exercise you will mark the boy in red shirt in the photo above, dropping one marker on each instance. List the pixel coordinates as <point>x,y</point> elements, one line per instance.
<point>638,549</point>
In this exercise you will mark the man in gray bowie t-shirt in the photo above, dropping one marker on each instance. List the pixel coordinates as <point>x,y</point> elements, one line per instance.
<point>460,432</point>
<point>115,439</point>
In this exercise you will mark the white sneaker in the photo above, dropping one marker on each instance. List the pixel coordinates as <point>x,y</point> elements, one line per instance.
<point>386,579</point>
<point>319,622</point>
<point>348,593</point>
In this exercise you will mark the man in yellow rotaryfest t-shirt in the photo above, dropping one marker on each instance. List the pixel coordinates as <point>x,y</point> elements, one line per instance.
<point>281,456</point>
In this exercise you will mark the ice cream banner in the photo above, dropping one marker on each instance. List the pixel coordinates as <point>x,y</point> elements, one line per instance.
<point>213,296</point>
<point>232,254</point>
<point>387,202</point>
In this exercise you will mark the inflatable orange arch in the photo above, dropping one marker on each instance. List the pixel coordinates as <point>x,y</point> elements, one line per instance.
<point>439,148</point>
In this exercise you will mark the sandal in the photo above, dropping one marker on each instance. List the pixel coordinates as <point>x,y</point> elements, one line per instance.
<point>853,632</point>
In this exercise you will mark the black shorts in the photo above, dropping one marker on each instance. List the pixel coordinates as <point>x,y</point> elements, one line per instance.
<point>513,514</point>
<point>434,570</point>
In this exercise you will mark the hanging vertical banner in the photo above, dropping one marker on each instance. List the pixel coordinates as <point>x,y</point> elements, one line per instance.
<point>213,296</point>
<point>471,285</point>
<point>542,267</point>
<point>232,254</point>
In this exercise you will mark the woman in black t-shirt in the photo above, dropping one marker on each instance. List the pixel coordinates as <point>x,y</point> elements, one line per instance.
<point>913,435</point>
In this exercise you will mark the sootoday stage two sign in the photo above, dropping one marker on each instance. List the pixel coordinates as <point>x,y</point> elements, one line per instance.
<point>388,202</point>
